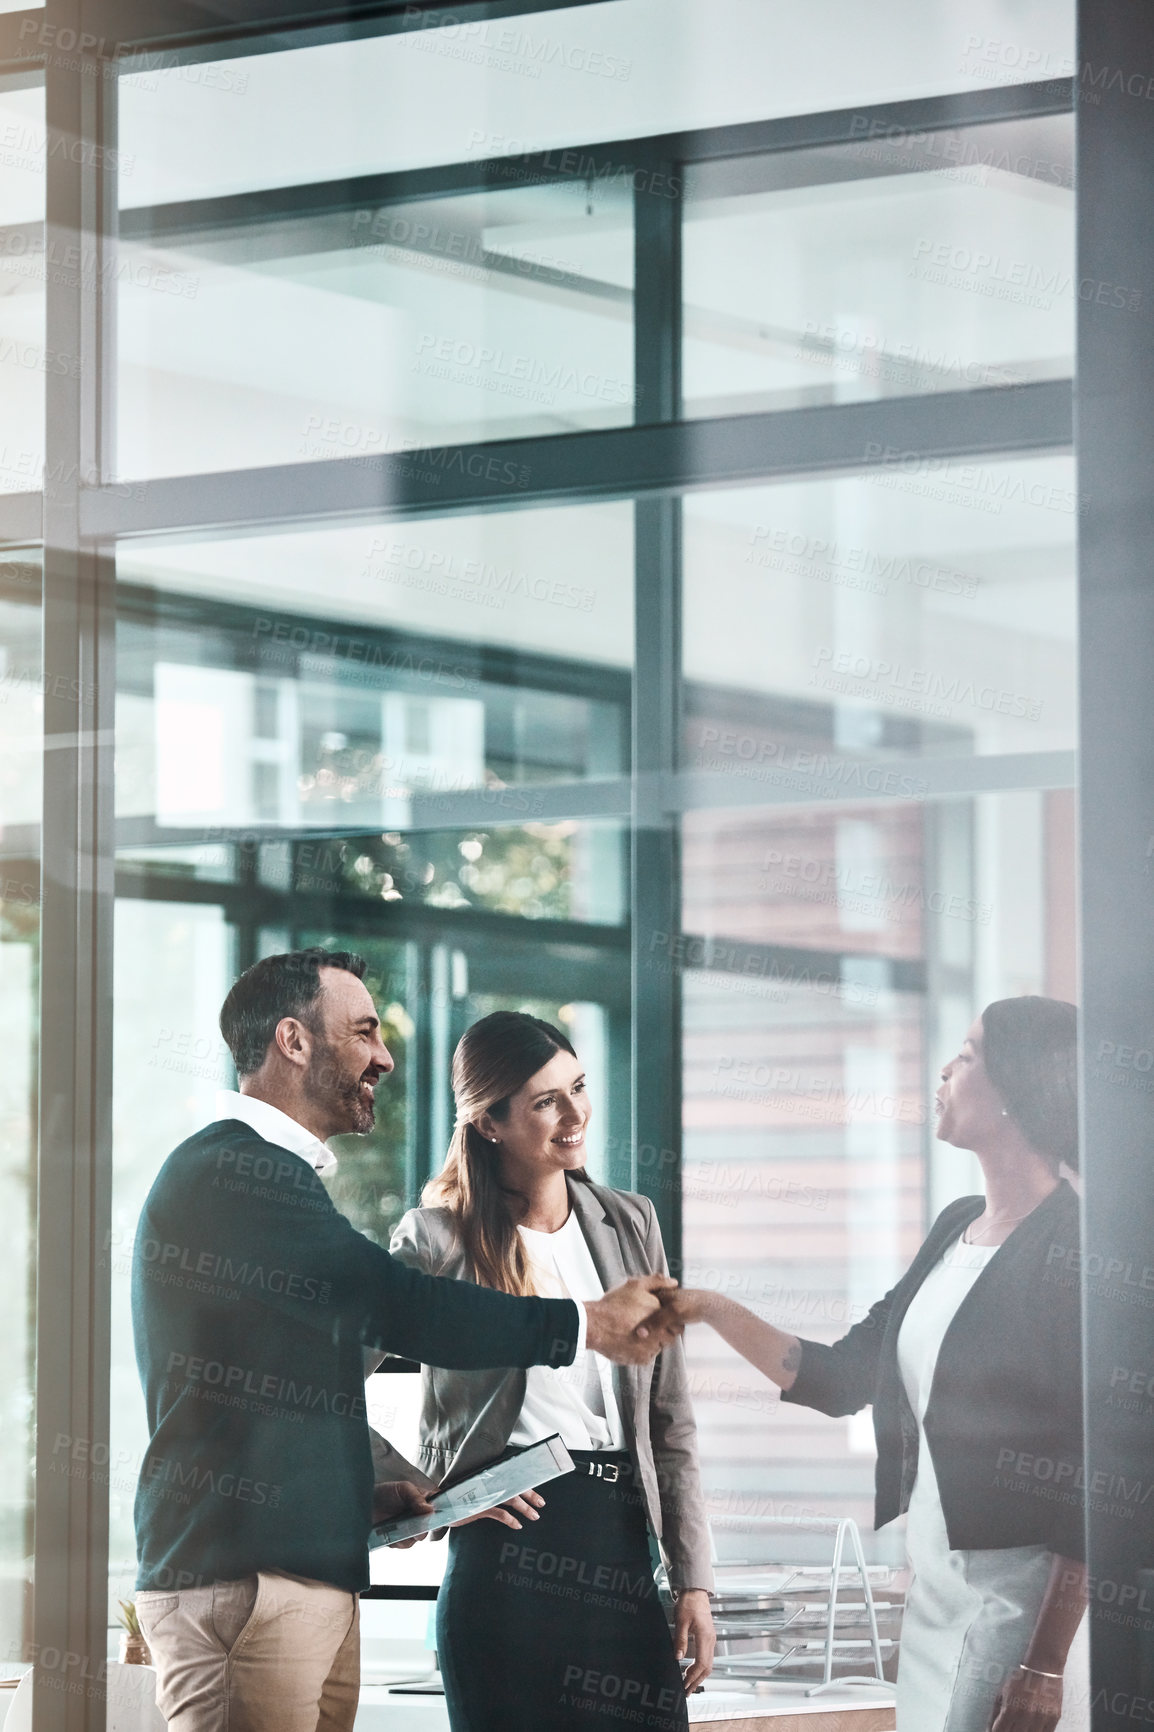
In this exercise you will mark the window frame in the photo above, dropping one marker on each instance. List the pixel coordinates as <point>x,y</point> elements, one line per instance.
<point>81,515</point>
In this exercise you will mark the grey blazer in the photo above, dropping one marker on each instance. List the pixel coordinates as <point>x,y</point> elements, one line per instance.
<point>468,1416</point>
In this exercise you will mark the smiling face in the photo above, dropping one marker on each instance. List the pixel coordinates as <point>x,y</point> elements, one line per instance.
<point>347,1057</point>
<point>544,1129</point>
<point>969,1108</point>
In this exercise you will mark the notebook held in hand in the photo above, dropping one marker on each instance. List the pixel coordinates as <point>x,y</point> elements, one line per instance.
<point>481,1491</point>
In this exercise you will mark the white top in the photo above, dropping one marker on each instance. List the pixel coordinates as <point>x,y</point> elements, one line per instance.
<point>576,1400</point>
<point>275,1127</point>
<point>930,1313</point>
<point>968,1614</point>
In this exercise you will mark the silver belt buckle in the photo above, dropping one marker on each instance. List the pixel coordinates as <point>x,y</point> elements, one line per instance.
<point>610,1470</point>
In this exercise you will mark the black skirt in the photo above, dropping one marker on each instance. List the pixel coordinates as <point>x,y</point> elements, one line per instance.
<point>559,1628</point>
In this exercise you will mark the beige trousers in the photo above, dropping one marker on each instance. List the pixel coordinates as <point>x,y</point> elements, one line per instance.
<point>269,1653</point>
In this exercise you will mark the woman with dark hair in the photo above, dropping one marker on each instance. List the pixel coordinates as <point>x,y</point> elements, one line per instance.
<point>556,1628</point>
<point>973,1366</point>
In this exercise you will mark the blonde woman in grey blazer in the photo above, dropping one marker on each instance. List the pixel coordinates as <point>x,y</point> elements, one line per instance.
<point>551,1625</point>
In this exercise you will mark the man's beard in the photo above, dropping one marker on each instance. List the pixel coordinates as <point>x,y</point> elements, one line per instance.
<point>340,1094</point>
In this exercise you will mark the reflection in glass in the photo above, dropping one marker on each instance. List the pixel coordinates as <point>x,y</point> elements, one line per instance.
<point>19,956</point>
<point>173,965</point>
<point>360,331</point>
<point>555,581</point>
<point>919,609</point>
<point>21,707</point>
<point>363,733</point>
<point>842,924</point>
<point>21,698</point>
<point>892,266</point>
<point>24,360</point>
<point>802,1198</point>
<point>296,716</point>
<point>813,879</point>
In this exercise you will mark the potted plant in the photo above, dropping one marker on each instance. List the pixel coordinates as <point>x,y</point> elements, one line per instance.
<point>133,1647</point>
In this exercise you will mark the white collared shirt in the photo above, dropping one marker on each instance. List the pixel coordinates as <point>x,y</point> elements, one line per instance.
<point>577,1400</point>
<point>275,1127</point>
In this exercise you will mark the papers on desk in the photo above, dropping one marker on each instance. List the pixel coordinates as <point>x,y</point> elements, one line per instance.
<point>482,1491</point>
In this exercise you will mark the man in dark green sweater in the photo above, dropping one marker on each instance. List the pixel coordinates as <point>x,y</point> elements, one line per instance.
<point>253,1300</point>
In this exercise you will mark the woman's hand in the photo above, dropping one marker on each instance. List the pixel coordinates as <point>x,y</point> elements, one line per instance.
<point>688,1304</point>
<point>693,1635</point>
<point>1031,1698</point>
<point>1027,1702</point>
<point>775,1354</point>
<point>526,1505</point>
<point>399,1497</point>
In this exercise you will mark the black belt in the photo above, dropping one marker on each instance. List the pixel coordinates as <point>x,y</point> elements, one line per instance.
<point>610,1467</point>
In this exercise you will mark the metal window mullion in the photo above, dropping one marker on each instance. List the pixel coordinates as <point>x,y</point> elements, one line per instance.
<point>73,1334</point>
<point>655,884</point>
<point>1115,429</point>
<point>609,463</point>
<point>421,1159</point>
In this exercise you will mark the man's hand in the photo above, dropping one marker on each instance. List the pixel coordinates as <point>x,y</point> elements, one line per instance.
<point>629,1324</point>
<point>693,1636</point>
<point>399,1497</point>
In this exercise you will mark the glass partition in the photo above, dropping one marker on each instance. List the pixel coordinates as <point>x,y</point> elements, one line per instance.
<point>891,266</point>
<point>923,608</point>
<point>358,328</point>
<point>167,1069</point>
<point>368,737</point>
<point>408,727</point>
<point>879,710</point>
<point>24,358</point>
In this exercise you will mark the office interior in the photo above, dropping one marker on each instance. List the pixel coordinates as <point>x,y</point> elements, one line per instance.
<point>594,507</point>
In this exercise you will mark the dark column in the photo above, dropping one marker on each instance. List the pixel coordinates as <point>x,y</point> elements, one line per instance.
<point>1114,424</point>
<point>655,879</point>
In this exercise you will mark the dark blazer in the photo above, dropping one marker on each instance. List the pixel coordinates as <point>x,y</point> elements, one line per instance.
<point>253,1300</point>
<point>1004,1419</point>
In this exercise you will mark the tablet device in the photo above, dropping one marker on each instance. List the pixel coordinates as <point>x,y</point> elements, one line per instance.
<point>481,1491</point>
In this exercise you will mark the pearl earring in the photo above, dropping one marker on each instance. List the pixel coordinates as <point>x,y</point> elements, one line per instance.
<point>1005,1112</point>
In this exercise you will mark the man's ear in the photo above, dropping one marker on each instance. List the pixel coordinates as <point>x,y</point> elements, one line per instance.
<point>292,1041</point>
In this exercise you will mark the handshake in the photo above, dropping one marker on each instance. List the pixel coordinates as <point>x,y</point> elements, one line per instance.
<point>634,1321</point>
<point>630,1325</point>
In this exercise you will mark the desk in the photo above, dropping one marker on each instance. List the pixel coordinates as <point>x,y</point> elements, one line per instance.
<point>777,1708</point>
<point>782,1709</point>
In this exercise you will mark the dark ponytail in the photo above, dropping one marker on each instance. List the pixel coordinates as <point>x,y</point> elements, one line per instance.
<point>1030,1051</point>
